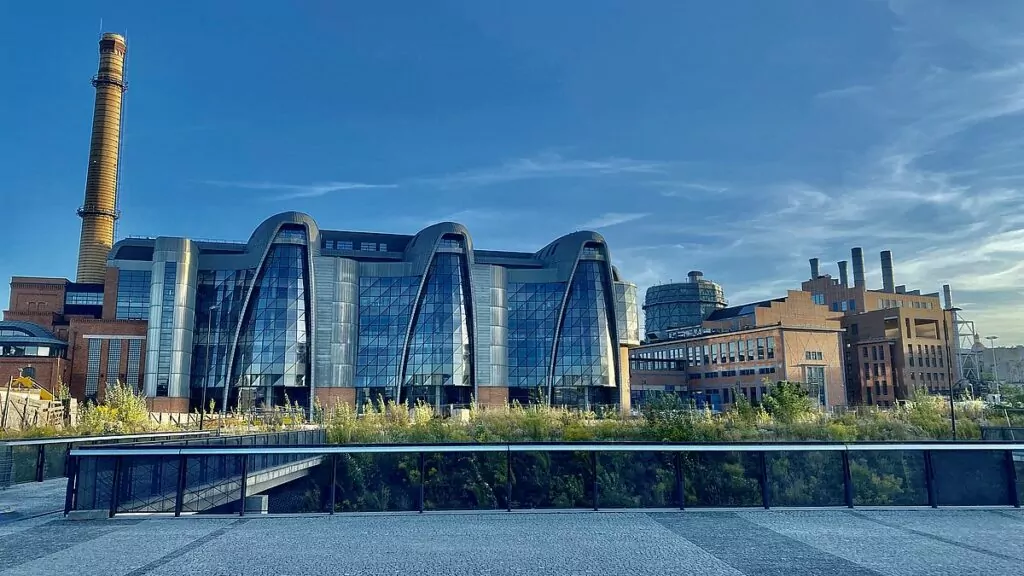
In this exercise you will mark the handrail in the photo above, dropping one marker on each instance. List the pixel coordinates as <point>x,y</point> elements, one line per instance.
<point>129,450</point>
<point>80,439</point>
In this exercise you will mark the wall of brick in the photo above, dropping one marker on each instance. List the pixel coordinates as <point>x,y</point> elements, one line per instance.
<point>330,397</point>
<point>492,396</point>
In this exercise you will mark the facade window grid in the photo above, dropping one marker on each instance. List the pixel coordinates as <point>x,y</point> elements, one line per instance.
<point>272,352</point>
<point>532,316</point>
<point>166,333</point>
<point>584,350</point>
<point>113,362</point>
<point>92,372</point>
<point>133,294</point>
<point>84,298</point>
<point>134,362</point>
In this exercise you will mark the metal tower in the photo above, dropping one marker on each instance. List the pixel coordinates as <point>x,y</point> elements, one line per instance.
<point>99,211</point>
<point>967,344</point>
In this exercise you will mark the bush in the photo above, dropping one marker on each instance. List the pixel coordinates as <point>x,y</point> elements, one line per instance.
<point>123,411</point>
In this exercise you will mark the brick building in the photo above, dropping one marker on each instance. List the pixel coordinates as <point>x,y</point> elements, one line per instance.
<point>741,349</point>
<point>895,340</point>
<point>95,347</point>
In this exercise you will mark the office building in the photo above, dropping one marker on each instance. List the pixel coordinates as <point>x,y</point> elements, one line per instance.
<point>299,313</point>
<point>741,350</point>
<point>895,340</point>
<point>680,305</point>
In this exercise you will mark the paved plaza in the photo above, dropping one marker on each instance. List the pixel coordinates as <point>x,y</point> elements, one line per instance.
<point>776,542</point>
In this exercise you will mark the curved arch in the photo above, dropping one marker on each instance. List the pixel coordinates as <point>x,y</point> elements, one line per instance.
<point>577,243</point>
<point>423,251</point>
<point>262,240</point>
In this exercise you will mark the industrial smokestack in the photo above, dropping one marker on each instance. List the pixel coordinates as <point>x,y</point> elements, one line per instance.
<point>814,268</point>
<point>857,255</point>
<point>888,284</point>
<point>843,278</point>
<point>947,296</point>
<point>100,208</point>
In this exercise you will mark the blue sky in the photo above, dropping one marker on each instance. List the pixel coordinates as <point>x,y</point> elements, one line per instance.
<point>739,138</point>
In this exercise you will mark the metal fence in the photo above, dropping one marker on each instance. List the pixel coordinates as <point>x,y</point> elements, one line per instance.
<point>363,478</point>
<point>35,460</point>
<point>192,477</point>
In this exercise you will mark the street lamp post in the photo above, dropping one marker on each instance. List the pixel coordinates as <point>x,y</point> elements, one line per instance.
<point>206,377</point>
<point>995,369</point>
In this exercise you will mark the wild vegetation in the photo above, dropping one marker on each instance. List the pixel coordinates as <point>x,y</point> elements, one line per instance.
<point>644,479</point>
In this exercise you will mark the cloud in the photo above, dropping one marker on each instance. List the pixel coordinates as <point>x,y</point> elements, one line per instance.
<point>545,166</point>
<point>849,91</point>
<point>611,219</point>
<point>940,186</point>
<point>294,191</point>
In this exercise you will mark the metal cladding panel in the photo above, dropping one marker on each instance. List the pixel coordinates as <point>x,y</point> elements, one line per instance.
<point>387,269</point>
<point>337,302</point>
<point>171,322</point>
<point>491,313</point>
<point>627,316</point>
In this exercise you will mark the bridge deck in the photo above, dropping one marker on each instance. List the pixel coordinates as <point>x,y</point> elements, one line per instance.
<point>785,543</point>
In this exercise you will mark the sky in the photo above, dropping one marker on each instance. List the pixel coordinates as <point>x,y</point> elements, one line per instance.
<point>739,138</point>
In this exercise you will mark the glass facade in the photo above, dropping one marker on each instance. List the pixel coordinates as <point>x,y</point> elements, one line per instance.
<point>133,294</point>
<point>272,352</point>
<point>385,307</point>
<point>84,298</point>
<point>532,318</point>
<point>404,318</point>
<point>584,356</point>
<point>438,369</point>
<point>224,292</point>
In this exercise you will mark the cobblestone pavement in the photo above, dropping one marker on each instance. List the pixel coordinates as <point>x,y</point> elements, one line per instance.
<point>776,542</point>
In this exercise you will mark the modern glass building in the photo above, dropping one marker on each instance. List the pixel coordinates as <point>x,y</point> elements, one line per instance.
<point>298,313</point>
<point>680,305</point>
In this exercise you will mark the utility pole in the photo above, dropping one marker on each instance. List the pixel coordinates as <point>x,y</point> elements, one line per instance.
<point>995,369</point>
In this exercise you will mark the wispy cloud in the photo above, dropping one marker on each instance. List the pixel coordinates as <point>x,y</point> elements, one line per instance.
<point>294,191</point>
<point>611,219</point>
<point>849,91</point>
<point>545,166</point>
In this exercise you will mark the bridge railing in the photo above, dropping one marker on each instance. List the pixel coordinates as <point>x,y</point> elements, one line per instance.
<point>190,477</point>
<point>424,477</point>
<point>39,459</point>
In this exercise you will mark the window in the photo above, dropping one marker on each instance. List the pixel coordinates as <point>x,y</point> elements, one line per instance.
<point>865,349</point>
<point>695,376</point>
<point>707,359</point>
<point>92,372</point>
<point>853,304</point>
<point>113,361</point>
<point>927,361</point>
<point>878,389</point>
<point>844,306</point>
<point>368,246</point>
<point>818,298</point>
<point>711,375</point>
<point>835,306</point>
<point>771,347</point>
<point>83,298</point>
<point>760,348</point>
<point>867,369</point>
<point>714,353</point>
<point>814,355</point>
<point>732,351</point>
<point>133,295</point>
<point>344,245</point>
<point>854,329</point>
<point>883,369</point>
<point>876,369</point>
<point>907,323</point>
<point>874,353</point>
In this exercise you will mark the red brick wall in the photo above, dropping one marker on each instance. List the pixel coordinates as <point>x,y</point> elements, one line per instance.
<point>48,370</point>
<point>79,347</point>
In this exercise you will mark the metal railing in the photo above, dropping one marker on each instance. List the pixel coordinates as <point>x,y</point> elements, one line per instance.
<point>421,477</point>
<point>155,479</point>
<point>39,459</point>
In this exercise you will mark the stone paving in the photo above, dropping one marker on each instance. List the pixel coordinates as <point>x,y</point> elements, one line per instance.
<point>775,542</point>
